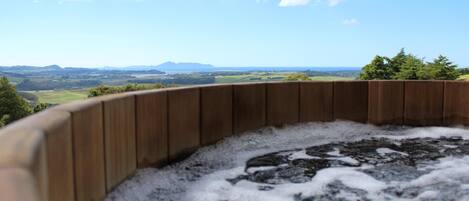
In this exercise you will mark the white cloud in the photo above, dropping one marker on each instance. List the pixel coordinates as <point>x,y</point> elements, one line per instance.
<point>333,3</point>
<point>289,3</point>
<point>350,22</point>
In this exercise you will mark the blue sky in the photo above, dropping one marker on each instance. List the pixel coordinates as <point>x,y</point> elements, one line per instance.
<point>229,32</point>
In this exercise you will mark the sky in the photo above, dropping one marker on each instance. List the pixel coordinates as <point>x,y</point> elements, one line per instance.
<point>233,33</point>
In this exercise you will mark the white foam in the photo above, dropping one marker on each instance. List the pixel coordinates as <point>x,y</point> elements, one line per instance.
<point>186,181</point>
<point>336,152</point>
<point>301,155</point>
<point>346,159</point>
<point>384,151</point>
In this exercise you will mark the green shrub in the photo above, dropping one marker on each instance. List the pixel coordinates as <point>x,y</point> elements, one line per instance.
<point>12,106</point>
<point>105,90</point>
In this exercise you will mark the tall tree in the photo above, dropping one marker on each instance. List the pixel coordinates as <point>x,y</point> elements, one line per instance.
<point>412,69</point>
<point>398,61</point>
<point>12,106</point>
<point>378,69</point>
<point>443,69</point>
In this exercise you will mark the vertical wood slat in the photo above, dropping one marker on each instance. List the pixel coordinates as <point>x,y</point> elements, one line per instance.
<point>25,148</point>
<point>88,148</point>
<point>183,122</point>
<point>119,138</point>
<point>386,102</point>
<point>17,184</point>
<point>152,128</point>
<point>456,108</point>
<point>282,103</point>
<point>249,107</point>
<point>216,113</point>
<point>316,101</point>
<point>424,103</point>
<point>57,129</point>
<point>351,100</point>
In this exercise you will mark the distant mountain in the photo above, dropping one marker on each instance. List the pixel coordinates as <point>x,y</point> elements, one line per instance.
<point>55,69</point>
<point>30,68</point>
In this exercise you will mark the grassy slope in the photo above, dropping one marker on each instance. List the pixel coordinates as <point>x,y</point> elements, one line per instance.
<point>331,78</point>
<point>59,97</point>
<point>273,77</point>
<point>464,77</point>
<point>64,96</point>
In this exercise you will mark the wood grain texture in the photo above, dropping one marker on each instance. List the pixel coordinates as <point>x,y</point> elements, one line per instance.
<point>152,128</point>
<point>351,100</point>
<point>316,101</point>
<point>57,128</point>
<point>88,148</point>
<point>25,148</point>
<point>17,184</point>
<point>423,103</point>
<point>249,107</point>
<point>386,102</point>
<point>282,103</point>
<point>216,113</point>
<point>183,121</point>
<point>119,138</point>
<point>456,104</point>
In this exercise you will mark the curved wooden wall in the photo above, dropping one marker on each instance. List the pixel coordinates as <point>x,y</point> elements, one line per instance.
<point>81,151</point>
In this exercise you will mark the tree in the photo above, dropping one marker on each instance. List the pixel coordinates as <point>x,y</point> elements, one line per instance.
<point>398,61</point>
<point>3,120</point>
<point>443,69</point>
<point>463,71</point>
<point>378,69</point>
<point>12,106</point>
<point>297,77</point>
<point>412,69</point>
<point>40,107</point>
<point>105,90</point>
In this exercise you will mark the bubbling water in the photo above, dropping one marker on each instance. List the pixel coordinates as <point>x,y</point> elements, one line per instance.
<point>317,161</point>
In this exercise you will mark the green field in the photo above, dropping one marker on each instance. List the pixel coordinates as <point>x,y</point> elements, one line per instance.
<point>62,96</point>
<point>331,78</point>
<point>270,77</point>
<point>464,77</point>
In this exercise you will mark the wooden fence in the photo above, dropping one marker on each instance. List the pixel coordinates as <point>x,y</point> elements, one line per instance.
<point>81,151</point>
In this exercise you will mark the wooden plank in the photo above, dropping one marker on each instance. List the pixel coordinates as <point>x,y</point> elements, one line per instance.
<point>183,121</point>
<point>17,184</point>
<point>88,148</point>
<point>249,107</point>
<point>316,101</point>
<point>216,113</point>
<point>57,127</point>
<point>386,102</point>
<point>351,100</point>
<point>22,147</point>
<point>423,103</point>
<point>282,103</point>
<point>119,138</point>
<point>456,104</point>
<point>152,129</point>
